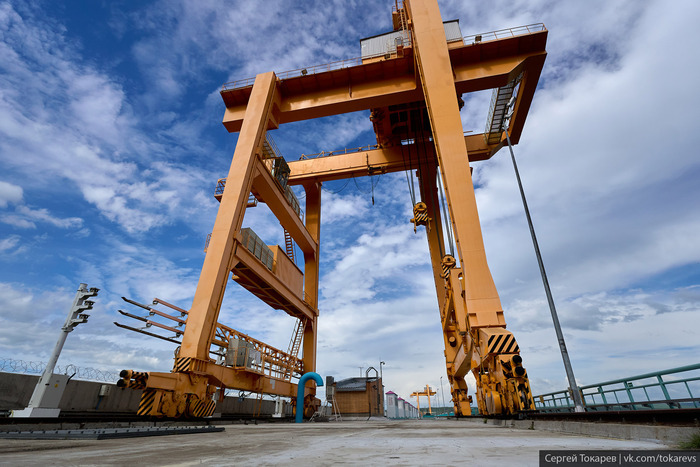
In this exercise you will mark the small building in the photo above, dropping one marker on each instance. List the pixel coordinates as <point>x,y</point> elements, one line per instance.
<point>392,405</point>
<point>360,397</point>
<point>401,412</point>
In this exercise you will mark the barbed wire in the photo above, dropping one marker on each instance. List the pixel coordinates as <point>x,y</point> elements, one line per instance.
<point>11,365</point>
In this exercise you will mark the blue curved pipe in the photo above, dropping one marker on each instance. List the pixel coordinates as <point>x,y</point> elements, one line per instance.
<point>300,392</point>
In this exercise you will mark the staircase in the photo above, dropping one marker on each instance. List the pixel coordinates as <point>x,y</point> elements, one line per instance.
<point>497,112</point>
<point>289,246</point>
<point>294,347</point>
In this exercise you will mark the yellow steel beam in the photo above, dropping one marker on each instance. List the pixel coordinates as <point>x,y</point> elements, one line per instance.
<point>271,281</point>
<point>248,381</point>
<point>220,375</point>
<point>311,276</point>
<point>391,82</point>
<point>375,161</point>
<point>204,313</point>
<point>435,68</point>
<point>436,242</point>
<point>268,189</point>
<point>333,92</point>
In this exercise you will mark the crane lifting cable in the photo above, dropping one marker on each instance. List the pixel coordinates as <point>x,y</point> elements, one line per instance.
<point>445,214</point>
<point>420,209</point>
<point>411,187</point>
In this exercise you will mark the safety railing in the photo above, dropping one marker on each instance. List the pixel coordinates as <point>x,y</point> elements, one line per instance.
<point>504,33</point>
<point>272,362</point>
<point>347,63</point>
<point>676,388</point>
<point>406,42</point>
<point>338,152</point>
<point>315,69</point>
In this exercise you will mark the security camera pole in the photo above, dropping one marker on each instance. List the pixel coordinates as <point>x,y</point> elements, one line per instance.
<point>573,387</point>
<point>49,389</point>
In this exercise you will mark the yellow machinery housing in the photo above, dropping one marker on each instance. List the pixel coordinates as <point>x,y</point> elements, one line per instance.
<point>413,89</point>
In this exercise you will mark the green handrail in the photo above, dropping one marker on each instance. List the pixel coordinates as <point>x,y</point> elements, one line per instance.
<point>560,400</point>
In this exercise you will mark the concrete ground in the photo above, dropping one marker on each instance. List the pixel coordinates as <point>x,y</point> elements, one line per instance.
<point>383,442</point>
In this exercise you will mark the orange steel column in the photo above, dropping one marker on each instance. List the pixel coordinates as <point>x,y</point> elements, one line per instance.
<point>433,62</point>
<point>436,245</point>
<point>311,277</point>
<point>203,316</point>
<point>311,272</point>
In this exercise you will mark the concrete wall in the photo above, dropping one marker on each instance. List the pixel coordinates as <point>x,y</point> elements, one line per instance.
<point>79,396</point>
<point>670,435</point>
<point>83,396</point>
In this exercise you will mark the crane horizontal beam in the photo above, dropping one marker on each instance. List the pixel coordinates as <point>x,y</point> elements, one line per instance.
<point>394,81</point>
<point>377,161</point>
<point>268,189</point>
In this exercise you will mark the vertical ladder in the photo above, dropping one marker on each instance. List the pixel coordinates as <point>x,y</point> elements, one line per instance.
<point>497,111</point>
<point>335,412</point>
<point>289,245</point>
<point>294,346</point>
<point>257,408</point>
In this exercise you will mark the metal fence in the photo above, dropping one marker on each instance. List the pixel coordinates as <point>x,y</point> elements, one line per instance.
<point>10,365</point>
<point>504,33</point>
<point>676,388</point>
<point>405,41</point>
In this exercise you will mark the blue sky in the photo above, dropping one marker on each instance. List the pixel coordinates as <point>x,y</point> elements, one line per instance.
<point>111,143</point>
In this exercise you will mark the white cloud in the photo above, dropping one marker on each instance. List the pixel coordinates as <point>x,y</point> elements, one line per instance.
<point>336,207</point>
<point>9,193</point>
<point>80,129</point>
<point>9,243</point>
<point>25,217</point>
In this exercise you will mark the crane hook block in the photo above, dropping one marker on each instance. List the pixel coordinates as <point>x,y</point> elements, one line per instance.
<point>448,262</point>
<point>420,216</point>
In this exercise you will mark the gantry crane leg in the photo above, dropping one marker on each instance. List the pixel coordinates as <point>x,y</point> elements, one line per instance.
<point>311,278</point>
<point>454,338</point>
<point>471,311</point>
<point>189,387</point>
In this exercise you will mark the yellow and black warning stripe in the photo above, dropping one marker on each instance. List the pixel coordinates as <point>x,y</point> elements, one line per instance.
<point>147,401</point>
<point>448,262</point>
<point>183,364</point>
<point>201,408</point>
<point>502,343</point>
<point>420,215</point>
<point>421,218</point>
<point>136,384</point>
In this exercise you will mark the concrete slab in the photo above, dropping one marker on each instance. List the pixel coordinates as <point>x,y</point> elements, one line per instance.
<point>400,442</point>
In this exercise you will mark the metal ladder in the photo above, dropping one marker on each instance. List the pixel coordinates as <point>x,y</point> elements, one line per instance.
<point>289,245</point>
<point>294,346</point>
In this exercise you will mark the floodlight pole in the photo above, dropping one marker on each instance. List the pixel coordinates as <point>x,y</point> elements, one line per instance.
<point>442,390</point>
<point>49,389</point>
<point>381,377</point>
<point>573,387</point>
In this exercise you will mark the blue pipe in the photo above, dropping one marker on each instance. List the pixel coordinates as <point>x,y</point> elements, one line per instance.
<point>300,392</point>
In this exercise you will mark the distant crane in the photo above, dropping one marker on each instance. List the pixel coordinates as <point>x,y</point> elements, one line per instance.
<point>427,392</point>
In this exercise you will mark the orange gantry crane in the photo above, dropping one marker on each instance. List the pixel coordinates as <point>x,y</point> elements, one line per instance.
<point>412,80</point>
<point>426,392</point>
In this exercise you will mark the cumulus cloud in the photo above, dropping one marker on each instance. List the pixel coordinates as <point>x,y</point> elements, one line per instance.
<point>9,193</point>
<point>79,129</point>
<point>9,243</point>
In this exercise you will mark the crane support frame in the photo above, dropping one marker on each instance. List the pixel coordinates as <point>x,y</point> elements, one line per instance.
<point>419,82</point>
